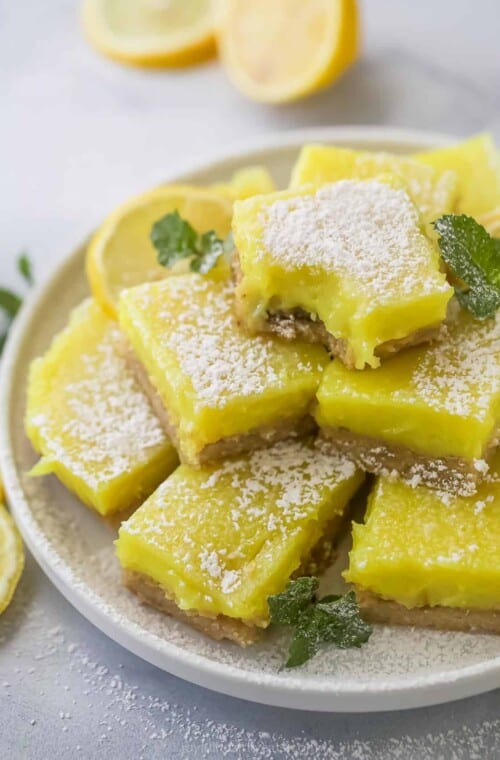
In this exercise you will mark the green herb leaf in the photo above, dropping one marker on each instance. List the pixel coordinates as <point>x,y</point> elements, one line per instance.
<point>286,608</point>
<point>333,620</point>
<point>473,256</point>
<point>305,642</point>
<point>175,239</point>
<point>339,622</point>
<point>10,303</point>
<point>211,249</point>
<point>25,268</point>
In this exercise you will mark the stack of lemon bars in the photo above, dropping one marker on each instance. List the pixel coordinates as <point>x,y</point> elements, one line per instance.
<point>229,418</point>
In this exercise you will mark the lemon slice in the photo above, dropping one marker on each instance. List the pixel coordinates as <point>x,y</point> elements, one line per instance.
<point>11,558</point>
<point>282,50</point>
<point>121,255</point>
<point>151,32</point>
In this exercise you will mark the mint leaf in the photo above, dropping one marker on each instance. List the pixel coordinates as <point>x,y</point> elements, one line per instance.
<point>211,249</point>
<point>473,256</point>
<point>333,620</point>
<point>25,268</point>
<point>286,608</point>
<point>10,303</point>
<point>175,239</point>
<point>305,641</point>
<point>338,622</point>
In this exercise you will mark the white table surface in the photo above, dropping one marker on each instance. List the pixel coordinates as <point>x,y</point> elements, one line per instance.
<point>79,134</point>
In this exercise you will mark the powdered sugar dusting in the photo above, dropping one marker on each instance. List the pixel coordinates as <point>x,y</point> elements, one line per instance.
<point>460,372</point>
<point>150,715</point>
<point>258,505</point>
<point>430,190</point>
<point>221,362</point>
<point>365,231</point>
<point>112,428</point>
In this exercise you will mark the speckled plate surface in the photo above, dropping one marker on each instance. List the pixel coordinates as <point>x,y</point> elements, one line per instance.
<point>398,668</point>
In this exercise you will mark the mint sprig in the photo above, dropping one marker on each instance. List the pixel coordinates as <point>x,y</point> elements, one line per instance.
<point>333,620</point>
<point>176,239</point>
<point>10,302</point>
<point>473,257</point>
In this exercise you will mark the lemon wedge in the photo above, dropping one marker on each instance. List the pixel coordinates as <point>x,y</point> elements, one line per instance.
<point>121,255</point>
<point>11,558</point>
<point>151,32</point>
<point>280,51</point>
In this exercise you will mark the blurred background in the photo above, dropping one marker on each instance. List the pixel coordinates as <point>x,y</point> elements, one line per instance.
<point>81,133</point>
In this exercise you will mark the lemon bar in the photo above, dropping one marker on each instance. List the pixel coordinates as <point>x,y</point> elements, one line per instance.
<point>429,414</point>
<point>347,265</point>
<point>245,183</point>
<point>430,559</point>
<point>211,544</point>
<point>91,422</point>
<point>433,189</point>
<point>476,163</point>
<point>219,391</point>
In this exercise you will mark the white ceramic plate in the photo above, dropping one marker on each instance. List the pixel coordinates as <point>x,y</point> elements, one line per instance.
<point>398,668</point>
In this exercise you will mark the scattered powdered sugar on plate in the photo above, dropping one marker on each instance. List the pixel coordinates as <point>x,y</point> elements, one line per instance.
<point>108,696</point>
<point>82,555</point>
<point>75,547</point>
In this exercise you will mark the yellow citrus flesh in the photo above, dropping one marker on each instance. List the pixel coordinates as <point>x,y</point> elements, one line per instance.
<point>121,255</point>
<point>151,32</point>
<point>11,558</point>
<point>280,51</point>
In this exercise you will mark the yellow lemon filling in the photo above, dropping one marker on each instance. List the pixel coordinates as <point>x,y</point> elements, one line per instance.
<point>418,547</point>
<point>223,538</point>
<point>249,181</point>
<point>433,190</point>
<point>90,421</point>
<point>476,163</point>
<point>213,379</point>
<point>351,254</point>
<point>441,400</point>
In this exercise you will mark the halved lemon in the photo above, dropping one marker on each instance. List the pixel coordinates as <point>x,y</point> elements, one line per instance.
<point>11,558</point>
<point>151,32</point>
<point>121,255</point>
<point>282,50</point>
